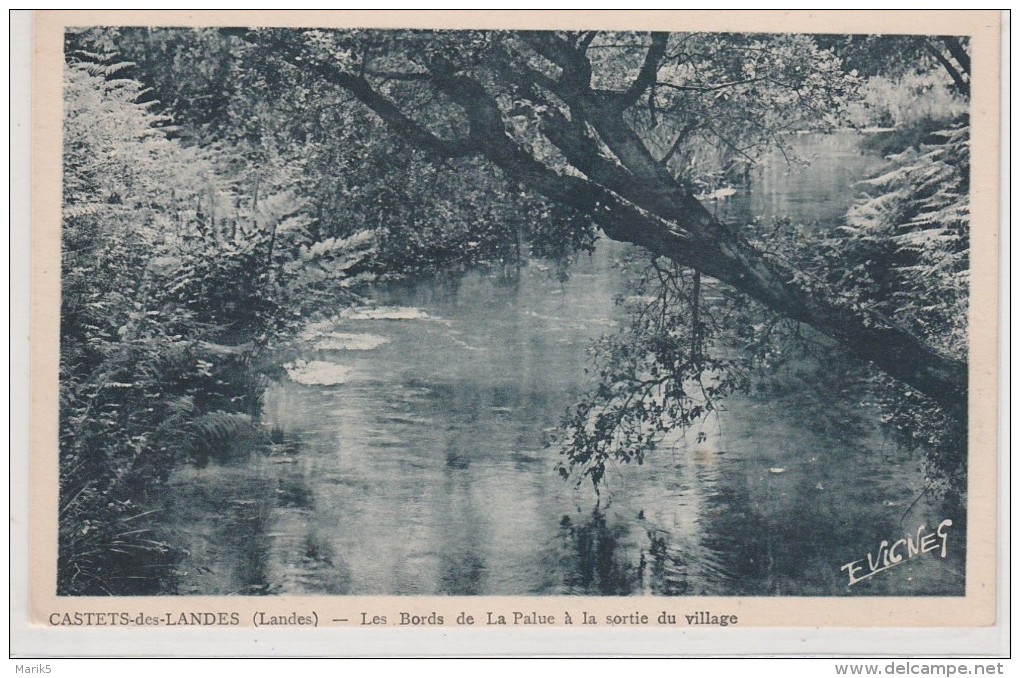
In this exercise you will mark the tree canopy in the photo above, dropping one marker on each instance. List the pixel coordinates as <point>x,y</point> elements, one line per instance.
<point>221,185</point>
<point>592,121</point>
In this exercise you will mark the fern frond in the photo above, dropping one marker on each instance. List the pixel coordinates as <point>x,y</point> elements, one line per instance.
<point>217,425</point>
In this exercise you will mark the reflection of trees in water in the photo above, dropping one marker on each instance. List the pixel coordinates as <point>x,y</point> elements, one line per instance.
<point>676,565</point>
<point>603,558</point>
<point>246,527</point>
<point>666,568</point>
<point>462,568</point>
<point>781,520</point>
<point>221,517</point>
<point>247,533</point>
<point>462,574</point>
<point>794,540</point>
<point>595,554</point>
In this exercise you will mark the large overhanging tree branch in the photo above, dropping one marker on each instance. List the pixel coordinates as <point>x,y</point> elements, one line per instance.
<point>630,193</point>
<point>720,251</point>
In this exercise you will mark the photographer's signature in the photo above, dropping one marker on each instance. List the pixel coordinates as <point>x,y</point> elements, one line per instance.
<point>900,551</point>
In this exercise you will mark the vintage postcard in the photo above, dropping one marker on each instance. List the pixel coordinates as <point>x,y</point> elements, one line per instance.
<point>665,324</point>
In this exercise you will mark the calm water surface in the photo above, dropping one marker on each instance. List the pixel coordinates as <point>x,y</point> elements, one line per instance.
<point>417,464</point>
<point>814,181</point>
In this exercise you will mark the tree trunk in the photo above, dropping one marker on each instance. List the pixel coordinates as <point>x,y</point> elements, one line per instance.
<point>634,198</point>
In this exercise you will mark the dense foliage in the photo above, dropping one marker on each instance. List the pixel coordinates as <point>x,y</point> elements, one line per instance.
<point>223,186</point>
<point>901,256</point>
<point>905,252</point>
<point>172,281</point>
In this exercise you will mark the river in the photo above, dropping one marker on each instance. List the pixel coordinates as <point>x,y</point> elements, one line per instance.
<point>412,456</point>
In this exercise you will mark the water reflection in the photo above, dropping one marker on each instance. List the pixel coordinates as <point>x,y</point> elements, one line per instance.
<point>416,463</point>
<point>597,556</point>
<point>815,181</point>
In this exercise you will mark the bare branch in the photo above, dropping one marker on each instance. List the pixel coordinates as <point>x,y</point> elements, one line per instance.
<point>398,75</point>
<point>575,65</point>
<point>681,136</point>
<point>649,69</point>
<point>705,88</point>
<point>586,40</point>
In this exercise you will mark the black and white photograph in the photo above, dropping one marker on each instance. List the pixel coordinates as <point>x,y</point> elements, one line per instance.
<point>591,313</point>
